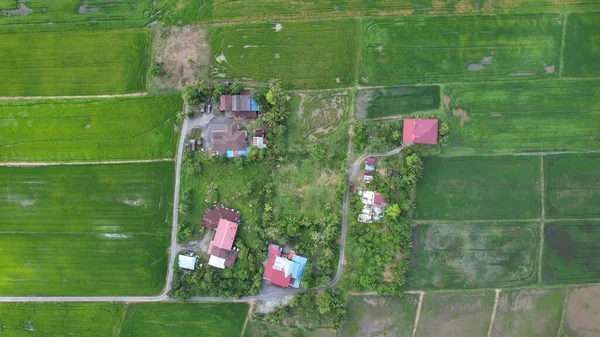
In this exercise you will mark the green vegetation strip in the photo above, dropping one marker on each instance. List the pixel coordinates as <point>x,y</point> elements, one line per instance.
<point>480,188</point>
<point>455,314</point>
<point>89,129</point>
<point>385,102</point>
<point>572,186</point>
<point>380,316</point>
<point>506,117</point>
<point>463,256</point>
<point>123,320</point>
<point>184,320</point>
<point>571,252</point>
<point>419,49</point>
<point>72,15</point>
<point>532,313</point>
<point>78,63</point>
<point>581,52</point>
<point>304,54</point>
<point>60,319</point>
<point>85,230</point>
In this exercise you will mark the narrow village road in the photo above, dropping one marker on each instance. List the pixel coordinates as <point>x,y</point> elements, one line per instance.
<point>189,124</point>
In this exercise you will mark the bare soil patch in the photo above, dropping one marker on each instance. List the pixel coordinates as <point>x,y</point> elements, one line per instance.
<point>183,53</point>
<point>447,101</point>
<point>583,312</point>
<point>462,114</point>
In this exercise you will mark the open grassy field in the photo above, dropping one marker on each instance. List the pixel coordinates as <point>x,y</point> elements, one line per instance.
<point>52,15</point>
<point>183,320</point>
<point>303,54</point>
<point>383,102</point>
<point>571,252</point>
<point>89,129</point>
<point>462,256</point>
<point>480,188</point>
<point>581,52</point>
<point>85,230</point>
<point>419,49</point>
<point>505,117</point>
<point>261,329</point>
<point>78,63</point>
<point>572,186</point>
<point>455,314</point>
<point>582,313</point>
<point>60,319</point>
<point>531,313</point>
<point>370,316</point>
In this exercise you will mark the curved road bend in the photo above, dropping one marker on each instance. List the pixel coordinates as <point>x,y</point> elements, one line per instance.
<point>163,297</point>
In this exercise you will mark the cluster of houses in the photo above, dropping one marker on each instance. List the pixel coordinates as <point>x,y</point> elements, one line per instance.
<point>281,270</point>
<point>415,131</point>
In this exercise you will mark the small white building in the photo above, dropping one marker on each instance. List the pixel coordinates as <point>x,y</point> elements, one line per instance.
<point>187,262</point>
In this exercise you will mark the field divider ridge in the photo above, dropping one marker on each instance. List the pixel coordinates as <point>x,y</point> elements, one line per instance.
<point>564,307</point>
<point>35,164</point>
<point>543,187</point>
<point>418,315</point>
<point>10,98</point>
<point>493,317</point>
<point>541,252</point>
<point>562,45</point>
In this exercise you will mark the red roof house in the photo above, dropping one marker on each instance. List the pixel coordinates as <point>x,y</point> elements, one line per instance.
<point>420,131</point>
<point>242,105</point>
<point>284,271</point>
<point>225,221</point>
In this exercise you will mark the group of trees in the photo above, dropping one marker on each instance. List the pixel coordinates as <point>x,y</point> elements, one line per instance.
<point>309,310</point>
<point>385,245</point>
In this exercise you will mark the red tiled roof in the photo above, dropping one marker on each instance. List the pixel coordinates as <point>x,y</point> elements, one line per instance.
<point>420,131</point>
<point>226,102</point>
<point>229,139</point>
<point>379,200</point>
<point>245,114</point>
<point>276,277</point>
<point>213,215</point>
<point>370,161</point>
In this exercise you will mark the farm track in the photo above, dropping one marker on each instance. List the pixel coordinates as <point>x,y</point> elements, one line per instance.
<point>35,164</point>
<point>11,98</point>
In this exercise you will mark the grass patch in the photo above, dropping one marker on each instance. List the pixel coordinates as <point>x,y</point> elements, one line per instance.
<point>421,49</point>
<point>60,319</point>
<point>78,63</point>
<point>505,118</point>
<point>72,15</point>
<point>462,256</point>
<point>455,314</point>
<point>89,129</point>
<point>182,320</point>
<point>572,186</point>
<point>384,102</point>
<point>478,188</point>
<point>534,313</point>
<point>570,252</point>
<point>370,316</point>
<point>85,230</point>
<point>259,51</point>
<point>257,328</point>
<point>581,51</point>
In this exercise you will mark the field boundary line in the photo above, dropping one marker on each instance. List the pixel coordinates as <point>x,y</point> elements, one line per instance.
<point>493,318</point>
<point>418,315</point>
<point>467,222</point>
<point>125,307</point>
<point>541,252</point>
<point>250,310</point>
<point>358,53</point>
<point>35,164</point>
<point>543,187</point>
<point>10,98</point>
<point>561,325</point>
<point>562,44</point>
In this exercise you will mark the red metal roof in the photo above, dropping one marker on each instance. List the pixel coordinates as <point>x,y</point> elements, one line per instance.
<point>226,102</point>
<point>225,235</point>
<point>420,131</point>
<point>379,200</point>
<point>276,277</point>
<point>370,161</point>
